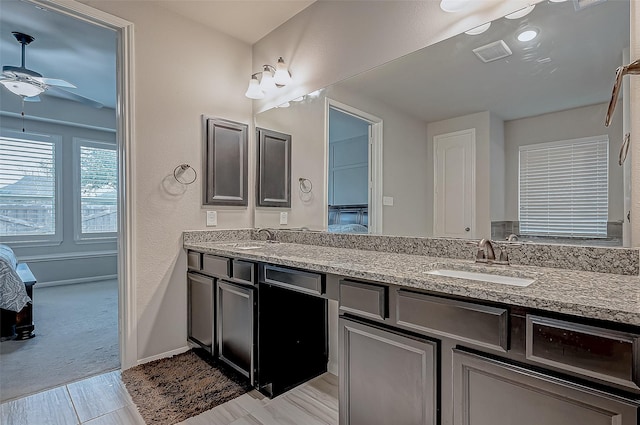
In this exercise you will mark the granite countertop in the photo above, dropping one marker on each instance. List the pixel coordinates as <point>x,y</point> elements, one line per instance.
<point>603,296</point>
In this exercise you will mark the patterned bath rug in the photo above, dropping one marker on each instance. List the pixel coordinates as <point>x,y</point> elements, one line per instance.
<point>168,391</point>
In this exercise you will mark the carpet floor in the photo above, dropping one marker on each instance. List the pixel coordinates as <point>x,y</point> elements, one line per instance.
<point>168,391</point>
<point>76,329</point>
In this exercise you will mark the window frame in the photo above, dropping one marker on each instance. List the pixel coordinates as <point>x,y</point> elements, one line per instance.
<point>78,235</point>
<point>559,143</point>
<point>56,238</point>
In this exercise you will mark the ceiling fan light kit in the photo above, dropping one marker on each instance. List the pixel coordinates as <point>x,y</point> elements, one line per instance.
<point>29,84</point>
<point>271,77</point>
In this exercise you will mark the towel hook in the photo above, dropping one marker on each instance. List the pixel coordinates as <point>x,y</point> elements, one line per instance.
<point>180,170</point>
<point>305,185</point>
<point>621,71</point>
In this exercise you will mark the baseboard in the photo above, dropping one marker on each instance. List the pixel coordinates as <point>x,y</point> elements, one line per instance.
<point>75,281</point>
<point>332,367</point>
<point>164,355</point>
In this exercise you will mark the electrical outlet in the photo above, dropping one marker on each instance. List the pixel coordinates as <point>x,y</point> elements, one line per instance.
<point>212,218</point>
<point>284,217</point>
<point>387,200</point>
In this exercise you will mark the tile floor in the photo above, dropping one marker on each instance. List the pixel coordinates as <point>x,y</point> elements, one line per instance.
<point>103,400</point>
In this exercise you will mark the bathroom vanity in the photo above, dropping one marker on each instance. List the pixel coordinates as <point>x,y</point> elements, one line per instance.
<point>421,348</point>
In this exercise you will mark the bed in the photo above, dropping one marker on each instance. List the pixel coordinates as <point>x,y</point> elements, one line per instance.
<point>16,294</point>
<point>348,219</point>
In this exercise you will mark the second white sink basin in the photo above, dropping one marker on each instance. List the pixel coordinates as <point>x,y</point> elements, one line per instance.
<point>483,277</point>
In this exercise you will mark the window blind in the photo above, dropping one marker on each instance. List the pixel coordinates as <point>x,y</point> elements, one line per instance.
<point>564,188</point>
<point>98,190</point>
<point>27,187</point>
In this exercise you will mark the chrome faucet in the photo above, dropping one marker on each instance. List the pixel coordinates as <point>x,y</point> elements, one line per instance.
<point>512,237</point>
<point>271,237</point>
<point>485,252</point>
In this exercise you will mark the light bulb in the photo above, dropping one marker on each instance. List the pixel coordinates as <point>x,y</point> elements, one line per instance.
<point>281,76</point>
<point>266,83</point>
<point>479,29</point>
<point>453,5</point>
<point>527,35</point>
<point>254,91</point>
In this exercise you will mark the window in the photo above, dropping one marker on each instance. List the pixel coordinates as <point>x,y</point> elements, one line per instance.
<point>97,166</point>
<point>564,188</point>
<point>29,176</point>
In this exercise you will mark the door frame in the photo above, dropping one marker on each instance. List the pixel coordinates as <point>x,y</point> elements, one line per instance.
<point>472,132</point>
<point>375,163</point>
<point>127,326</point>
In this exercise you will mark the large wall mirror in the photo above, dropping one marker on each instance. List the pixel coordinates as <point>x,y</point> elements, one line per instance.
<point>474,146</point>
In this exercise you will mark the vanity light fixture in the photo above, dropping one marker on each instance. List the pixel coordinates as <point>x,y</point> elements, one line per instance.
<point>527,34</point>
<point>271,77</point>
<point>479,29</point>
<point>521,13</point>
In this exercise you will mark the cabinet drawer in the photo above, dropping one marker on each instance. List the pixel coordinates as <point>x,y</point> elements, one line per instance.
<point>364,299</point>
<point>297,280</point>
<point>194,260</point>
<point>599,353</point>
<point>243,272</point>
<point>216,266</point>
<point>475,323</point>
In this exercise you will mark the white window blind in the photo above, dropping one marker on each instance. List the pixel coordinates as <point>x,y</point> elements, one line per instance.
<point>27,187</point>
<point>98,189</point>
<point>564,188</point>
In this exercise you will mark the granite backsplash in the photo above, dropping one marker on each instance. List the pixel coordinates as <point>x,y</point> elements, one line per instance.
<point>625,261</point>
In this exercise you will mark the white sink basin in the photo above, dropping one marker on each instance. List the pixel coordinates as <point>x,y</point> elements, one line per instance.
<point>483,277</point>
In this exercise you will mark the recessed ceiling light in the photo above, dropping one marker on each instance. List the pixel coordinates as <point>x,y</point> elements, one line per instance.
<point>528,34</point>
<point>453,5</point>
<point>479,29</point>
<point>557,1</point>
<point>520,13</point>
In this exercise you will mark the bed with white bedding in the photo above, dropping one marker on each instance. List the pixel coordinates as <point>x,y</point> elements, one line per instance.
<point>348,219</point>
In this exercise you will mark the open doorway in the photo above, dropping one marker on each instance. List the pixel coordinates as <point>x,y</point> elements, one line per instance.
<point>354,170</point>
<point>74,236</point>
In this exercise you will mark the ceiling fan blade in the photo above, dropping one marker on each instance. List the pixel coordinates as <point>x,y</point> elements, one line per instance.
<point>63,94</point>
<point>32,99</point>
<point>55,82</point>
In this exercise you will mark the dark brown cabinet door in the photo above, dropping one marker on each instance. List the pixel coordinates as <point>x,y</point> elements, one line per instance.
<point>225,162</point>
<point>490,392</point>
<point>386,378</point>
<point>235,326</point>
<point>274,169</point>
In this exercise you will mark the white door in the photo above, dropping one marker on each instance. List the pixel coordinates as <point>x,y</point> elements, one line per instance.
<point>454,164</point>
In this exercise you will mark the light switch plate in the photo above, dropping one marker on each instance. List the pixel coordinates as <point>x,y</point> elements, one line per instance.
<point>284,217</point>
<point>212,218</point>
<point>387,200</point>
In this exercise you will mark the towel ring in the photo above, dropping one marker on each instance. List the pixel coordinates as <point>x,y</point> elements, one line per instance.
<point>179,172</point>
<point>305,185</point>
<point>624,149</point>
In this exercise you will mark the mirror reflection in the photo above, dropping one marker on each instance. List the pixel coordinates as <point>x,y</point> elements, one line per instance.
<point>482,135</point>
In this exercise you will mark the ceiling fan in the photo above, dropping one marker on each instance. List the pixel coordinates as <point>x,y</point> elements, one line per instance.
<point>29,84</point>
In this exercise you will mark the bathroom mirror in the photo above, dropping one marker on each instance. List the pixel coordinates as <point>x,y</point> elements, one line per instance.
<point>547,92</point>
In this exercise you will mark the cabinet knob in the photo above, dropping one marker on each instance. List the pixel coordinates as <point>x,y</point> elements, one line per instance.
<point>466,229</point>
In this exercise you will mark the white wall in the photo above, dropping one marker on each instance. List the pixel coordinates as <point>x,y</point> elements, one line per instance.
<point>497,161</point>
<point>575,123</point>
<point>182,70</point>
<point>481,121</point>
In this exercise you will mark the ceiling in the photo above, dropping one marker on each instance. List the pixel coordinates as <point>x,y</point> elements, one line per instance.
<point>84,54</point>
<point>570,64</point>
